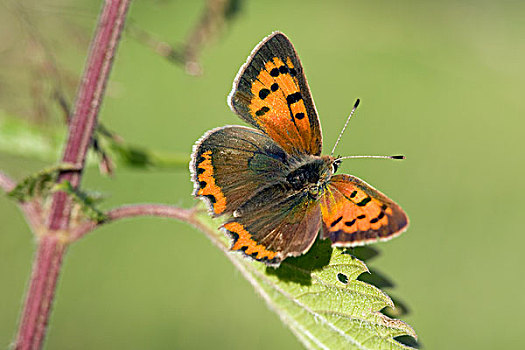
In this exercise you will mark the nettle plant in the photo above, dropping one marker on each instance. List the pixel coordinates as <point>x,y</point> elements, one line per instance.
<point>327,297</point>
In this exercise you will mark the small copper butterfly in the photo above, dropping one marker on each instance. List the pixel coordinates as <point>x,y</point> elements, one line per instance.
<point>272,182</point>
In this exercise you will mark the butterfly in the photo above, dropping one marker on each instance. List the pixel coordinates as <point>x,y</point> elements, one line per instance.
<point>271,181</point>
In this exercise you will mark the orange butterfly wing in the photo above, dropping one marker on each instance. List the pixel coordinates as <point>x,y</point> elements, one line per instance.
<point>271,93</point>
<point>354,213</point>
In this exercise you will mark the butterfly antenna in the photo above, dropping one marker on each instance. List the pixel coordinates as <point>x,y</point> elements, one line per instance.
<point>373,157</point>
<point>344,127</point>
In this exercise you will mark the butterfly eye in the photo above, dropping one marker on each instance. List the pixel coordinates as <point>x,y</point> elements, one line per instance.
<point>335,166</point>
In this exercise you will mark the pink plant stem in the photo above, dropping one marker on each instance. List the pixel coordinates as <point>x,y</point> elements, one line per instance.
<point>131,211</point>
<point>53,243</point>
<point>89,99</point>
<point>46,268</point>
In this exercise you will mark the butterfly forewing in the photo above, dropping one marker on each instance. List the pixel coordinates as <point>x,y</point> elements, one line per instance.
<point>355,213</point>
<point>271,93</point>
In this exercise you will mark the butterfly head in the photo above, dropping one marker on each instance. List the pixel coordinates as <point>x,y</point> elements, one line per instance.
<point>335,164</point>
<point>328,165</point>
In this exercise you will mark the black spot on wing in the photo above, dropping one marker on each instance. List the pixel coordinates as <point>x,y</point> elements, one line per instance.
<point>263,93</point>
<point>211,197</point>
<point>294,98</point>
<point>364,201</point>
<point>349,223</point>
<point>262,111</point>
<point>379,217</point>
<point>336,221</point>
<point>234,235</point>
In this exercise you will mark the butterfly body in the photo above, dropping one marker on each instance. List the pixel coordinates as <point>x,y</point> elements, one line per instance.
<point>312,176</point>
<point>272,181</point>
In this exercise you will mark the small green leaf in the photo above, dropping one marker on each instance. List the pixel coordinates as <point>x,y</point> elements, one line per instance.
<point>319,297</point>
<point>142,158</point>
<point>85,201</point>
<point>39,183</point>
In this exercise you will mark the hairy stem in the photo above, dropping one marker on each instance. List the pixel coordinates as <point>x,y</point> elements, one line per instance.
<point>130,211</point>
<point>89,99</point>
<point>46,268</point>
<point>52,244</point>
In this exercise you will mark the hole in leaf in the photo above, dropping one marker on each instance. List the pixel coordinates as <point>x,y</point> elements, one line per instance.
<point>342,278</point>
<point>408,341</point>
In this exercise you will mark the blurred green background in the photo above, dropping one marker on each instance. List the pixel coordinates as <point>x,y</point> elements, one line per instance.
<point>441,82</point>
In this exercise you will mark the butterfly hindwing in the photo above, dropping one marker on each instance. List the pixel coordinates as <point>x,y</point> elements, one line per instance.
<point>231,163</point>
<point>354,213</point>
<point>271,93</point>
<point>274,224</point>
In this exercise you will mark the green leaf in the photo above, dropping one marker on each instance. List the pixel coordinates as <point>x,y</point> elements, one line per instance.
<point>38,184</point>
<point>85,201</point>
<point>320,299</point>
